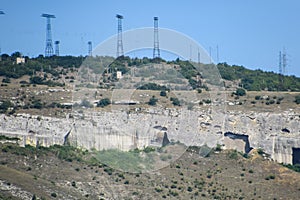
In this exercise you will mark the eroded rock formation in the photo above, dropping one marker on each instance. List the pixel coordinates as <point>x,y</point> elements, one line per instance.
<point>277,134</point>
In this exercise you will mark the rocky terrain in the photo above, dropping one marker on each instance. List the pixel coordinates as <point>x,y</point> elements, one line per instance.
<point>276,133</point>
<point>67,173</point>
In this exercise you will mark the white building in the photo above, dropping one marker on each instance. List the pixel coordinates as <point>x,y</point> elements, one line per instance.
<point>119,74</point>
<point>20,60</point>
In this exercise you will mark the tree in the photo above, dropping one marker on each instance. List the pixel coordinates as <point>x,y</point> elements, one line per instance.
<point>152,101</point>
<point>16,54</point>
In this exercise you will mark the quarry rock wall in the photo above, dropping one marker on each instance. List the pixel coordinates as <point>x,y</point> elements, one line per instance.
<point>277,134</point>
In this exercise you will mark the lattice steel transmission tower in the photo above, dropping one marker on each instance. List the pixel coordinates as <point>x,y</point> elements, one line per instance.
<point>49,47</point>
<point>282,68</point>
<point>1,13</point>
<point>56,48</point>
<point>156,51</point>
<point>284,62</point>
<point>120,51</point>
<point>90,48</point>
<point>280,63</point>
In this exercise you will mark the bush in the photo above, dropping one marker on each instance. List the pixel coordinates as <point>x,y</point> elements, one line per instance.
<point>86,103</point>
<point>272,101</point>
<point>73,183</point>
<point>103,102</point>
<point>295,167</point>
<point>240,92</point>
<point>257,97</point>
<point>152,86</point>
<point>270,177</point>
<point>175,101</point>
<point>36,80</point>
<point>207,101</point>
<point>297,99</point>
<point>37,104</point>
<point>233,154</point>
<point>5,105</point>
<point>149,149</point>
<point>6,80</point>
<point>163,93</point>
<point>260,151</point>
<point>54,194</point>
<point>218,147</point>
<point>152,101</point>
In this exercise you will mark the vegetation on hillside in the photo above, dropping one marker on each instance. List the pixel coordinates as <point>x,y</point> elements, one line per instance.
<point>257,80</point>
<point>254,80</point>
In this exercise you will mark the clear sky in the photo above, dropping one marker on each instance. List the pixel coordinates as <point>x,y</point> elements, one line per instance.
<point>249,33</point>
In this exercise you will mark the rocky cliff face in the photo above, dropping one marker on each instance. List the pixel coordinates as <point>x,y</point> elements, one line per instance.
<point>276,134</point>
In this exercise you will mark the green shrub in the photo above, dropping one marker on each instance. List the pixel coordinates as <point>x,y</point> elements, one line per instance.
<point>158,189</point>
<point>148,149</point>
<point>295,167</point>
<point>103,102</point>
<point>152,101</point>
<point>53,195</point>
<point>86,103</point>
<point>272,176</point>
<point>207,101</point>
<point>233,154</point>
<point>297,99</point>
<point>6,80</point>
<point>257,97</point>
<point>175,101</point>
<point>152,86</point>
<point>163,93</point>
<point>5,105</point>
<point>73,183</point>
<point>260,151</point>
<point>218,147</point>
<point>240,92</point>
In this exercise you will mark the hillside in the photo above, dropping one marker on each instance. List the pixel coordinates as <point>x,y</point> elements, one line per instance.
<point>66,173</point>
<point>58,71</point>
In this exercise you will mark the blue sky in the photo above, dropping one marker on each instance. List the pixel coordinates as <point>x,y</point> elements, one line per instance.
<point>249,33</point>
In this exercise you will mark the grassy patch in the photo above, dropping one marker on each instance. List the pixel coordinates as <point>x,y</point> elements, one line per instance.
<point>127,161</point>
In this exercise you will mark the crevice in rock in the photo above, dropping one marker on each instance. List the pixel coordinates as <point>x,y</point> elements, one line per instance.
<point>296,156</point>
<point>245,138</point>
